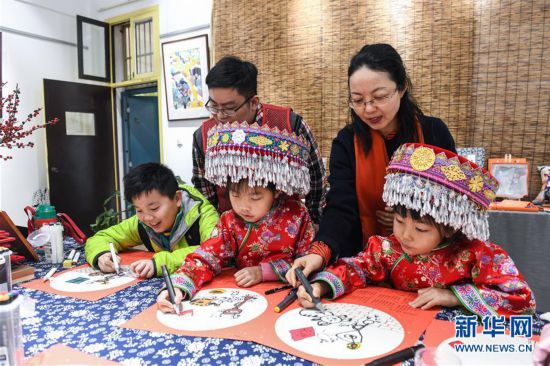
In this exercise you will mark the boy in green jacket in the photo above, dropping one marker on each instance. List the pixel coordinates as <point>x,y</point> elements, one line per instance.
<point>169,221</point>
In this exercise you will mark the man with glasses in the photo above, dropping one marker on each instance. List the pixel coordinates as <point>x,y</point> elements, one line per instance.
<point>232,86</point>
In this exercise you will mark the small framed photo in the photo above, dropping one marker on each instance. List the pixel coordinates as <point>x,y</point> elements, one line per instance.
<point>474,154</point>
<point>512,176</point>
<point>186,64</point>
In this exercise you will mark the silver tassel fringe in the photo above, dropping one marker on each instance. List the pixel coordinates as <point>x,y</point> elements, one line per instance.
<point>443,204</point>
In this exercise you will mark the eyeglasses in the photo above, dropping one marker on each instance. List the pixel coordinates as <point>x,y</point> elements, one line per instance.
<point>375,102</point>
<point>228,112</point>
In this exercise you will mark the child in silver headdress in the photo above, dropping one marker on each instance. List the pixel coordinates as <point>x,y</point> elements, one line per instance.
<point>265,171</point>
<point>439,247</point>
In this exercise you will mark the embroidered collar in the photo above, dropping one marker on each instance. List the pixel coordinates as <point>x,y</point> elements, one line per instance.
<point>251,224</point>
<point>425,257</point>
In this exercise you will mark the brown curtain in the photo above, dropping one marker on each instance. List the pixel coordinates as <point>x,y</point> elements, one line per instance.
<point>478,65</point>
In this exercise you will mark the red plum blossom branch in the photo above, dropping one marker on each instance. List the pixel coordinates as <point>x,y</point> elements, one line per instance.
<point>12,130</point>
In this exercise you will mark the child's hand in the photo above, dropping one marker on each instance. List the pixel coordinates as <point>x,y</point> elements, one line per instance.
<point>309,263</point>
<point>106,264</point>
<point>541,356</point>
<point>249,276</point>
<point>163,300</point>
<point>143,268</point>
<point>319,289</point>
<point>432,296</point>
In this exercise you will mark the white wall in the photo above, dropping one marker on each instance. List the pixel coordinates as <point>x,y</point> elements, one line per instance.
<point>176,18</point>
<point>26,62</point>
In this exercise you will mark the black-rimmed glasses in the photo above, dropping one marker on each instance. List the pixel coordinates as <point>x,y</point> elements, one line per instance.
<point>228,112</point>
<point>376,101</point>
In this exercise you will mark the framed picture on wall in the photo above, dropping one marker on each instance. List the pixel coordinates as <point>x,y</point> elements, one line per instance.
<point>186,63</point>
<point>474,154</point>
<point>512,175</point>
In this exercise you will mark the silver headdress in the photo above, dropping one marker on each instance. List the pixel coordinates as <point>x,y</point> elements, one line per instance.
<point>260,154</point>
<point>443,185</point>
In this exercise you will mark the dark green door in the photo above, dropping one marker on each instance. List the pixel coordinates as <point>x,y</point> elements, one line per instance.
<point>140,127</point>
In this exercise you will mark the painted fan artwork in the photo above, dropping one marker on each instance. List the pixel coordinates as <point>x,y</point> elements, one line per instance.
<point>86,283</point>
<point>216,309</point>
<point>348,330</point>
<point>87,279</point>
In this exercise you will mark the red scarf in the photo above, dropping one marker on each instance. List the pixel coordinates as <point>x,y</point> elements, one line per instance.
<point>370,172</point>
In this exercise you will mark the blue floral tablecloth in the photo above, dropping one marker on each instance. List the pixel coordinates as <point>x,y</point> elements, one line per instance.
<point>92,327</point>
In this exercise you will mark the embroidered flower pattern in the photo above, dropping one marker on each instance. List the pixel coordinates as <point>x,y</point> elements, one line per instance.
<point>453,173</point>
<point>386,247</point>
<point>294,149</point>
<point>422,159</point>
<point>507,267</point>
<point>476,184</point>
<point>292,229</point>
<point>225,138</point>
<point>261,140</point>
<point>213,139</point>
<point>283,145</point>
<point>238,136</point>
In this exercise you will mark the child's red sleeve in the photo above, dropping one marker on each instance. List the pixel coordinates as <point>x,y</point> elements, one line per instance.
<point>348,274</point>
<point>307,232</point>
<point>497,286</point>
<point>298,245</point>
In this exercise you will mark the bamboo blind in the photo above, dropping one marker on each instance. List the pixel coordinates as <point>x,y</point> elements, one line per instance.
<point>478,65</point>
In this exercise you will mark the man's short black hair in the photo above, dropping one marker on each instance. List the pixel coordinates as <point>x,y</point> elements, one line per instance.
<point>232,72</point>
<point>147,177</point>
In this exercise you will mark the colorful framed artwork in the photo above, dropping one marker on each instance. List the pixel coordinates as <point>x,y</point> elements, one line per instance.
<point>512,176</point>
<point>186,63</point>
<point>474,154</point>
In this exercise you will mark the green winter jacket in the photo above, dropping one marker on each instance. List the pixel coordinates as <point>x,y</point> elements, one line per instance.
<point>199,219</point>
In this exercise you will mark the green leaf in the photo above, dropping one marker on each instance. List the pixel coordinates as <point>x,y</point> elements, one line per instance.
<point>108,217</point>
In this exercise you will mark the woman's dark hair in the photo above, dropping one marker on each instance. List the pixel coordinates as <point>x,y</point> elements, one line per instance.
<point>383,57</point>
<point>147,177</point>
<point>232,72</point>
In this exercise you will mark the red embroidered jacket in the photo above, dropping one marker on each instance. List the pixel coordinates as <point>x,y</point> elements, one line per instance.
<point>480,274</point>
<point>283,234</point>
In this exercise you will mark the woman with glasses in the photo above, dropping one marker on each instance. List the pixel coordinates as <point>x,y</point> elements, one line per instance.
<point>384,115</point>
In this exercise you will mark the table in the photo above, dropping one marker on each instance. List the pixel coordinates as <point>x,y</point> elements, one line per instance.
<point>91,327</point>
<point>526,237</point>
